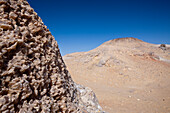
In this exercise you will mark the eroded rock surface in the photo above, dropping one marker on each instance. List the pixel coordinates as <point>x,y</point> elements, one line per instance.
<point>33,76</point>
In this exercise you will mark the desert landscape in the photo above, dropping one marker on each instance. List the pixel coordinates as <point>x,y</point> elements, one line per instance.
<point>128,75</point>
<point>123,75</point>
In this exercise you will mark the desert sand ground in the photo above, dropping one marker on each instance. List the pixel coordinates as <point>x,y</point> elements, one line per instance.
<point>127,75</point>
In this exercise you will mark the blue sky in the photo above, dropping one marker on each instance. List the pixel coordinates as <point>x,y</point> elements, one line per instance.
<point>82,25</point>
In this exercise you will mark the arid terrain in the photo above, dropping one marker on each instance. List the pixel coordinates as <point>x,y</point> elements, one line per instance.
<point>127,75</point>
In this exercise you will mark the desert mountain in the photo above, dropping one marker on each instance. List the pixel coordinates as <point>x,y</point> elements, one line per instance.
<point>33,76</point>
<point>127,74</point>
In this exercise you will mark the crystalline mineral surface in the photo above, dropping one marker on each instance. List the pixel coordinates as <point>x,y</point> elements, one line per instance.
<point>33,76</point>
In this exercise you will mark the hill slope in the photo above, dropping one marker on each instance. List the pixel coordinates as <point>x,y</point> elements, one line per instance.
<point>127,74</point>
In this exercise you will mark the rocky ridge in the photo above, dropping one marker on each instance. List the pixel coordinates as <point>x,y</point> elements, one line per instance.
<point>33,76</point>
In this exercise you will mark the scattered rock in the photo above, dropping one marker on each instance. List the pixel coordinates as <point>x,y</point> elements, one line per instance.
<point>138,99</point>
<point>162,46</point>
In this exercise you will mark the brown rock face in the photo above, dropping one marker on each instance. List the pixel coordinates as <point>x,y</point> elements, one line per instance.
<point>33,76</point>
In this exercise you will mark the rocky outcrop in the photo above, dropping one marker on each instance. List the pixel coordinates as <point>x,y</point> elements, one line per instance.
<point>87,99</point>
<point>162,46</point>
<point>33,76</point>
<point>120,40</point>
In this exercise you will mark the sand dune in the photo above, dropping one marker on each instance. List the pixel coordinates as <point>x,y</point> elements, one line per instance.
<point>127,75</point>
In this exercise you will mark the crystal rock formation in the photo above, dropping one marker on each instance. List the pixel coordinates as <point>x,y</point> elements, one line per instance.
<point>33,76</point>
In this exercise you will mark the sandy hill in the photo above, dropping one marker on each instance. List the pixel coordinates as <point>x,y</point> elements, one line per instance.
<point>127,74</point>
